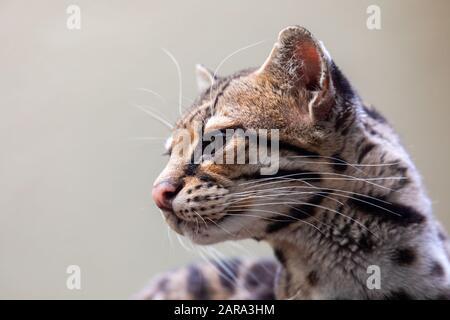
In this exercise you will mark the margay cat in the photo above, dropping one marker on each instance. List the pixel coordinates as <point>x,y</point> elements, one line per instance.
<point>346,197</point>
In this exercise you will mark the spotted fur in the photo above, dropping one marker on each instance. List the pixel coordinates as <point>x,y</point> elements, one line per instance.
<point>347,195</point>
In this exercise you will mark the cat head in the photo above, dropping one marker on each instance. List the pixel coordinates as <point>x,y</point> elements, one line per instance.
<point>297,101</point>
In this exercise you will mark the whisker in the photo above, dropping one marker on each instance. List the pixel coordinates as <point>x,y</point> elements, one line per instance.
<point>341,162</point>
<point>222,266</point>
<point>180,83</point>
<point>155,116</point>
<point>180,240</point>
<point>277,196</point>
<point>169,236</point>
<point>343,177</point>
<point>313,205</point>
<point>325,189</point>
<point>220,227</point>
<point>206,225</point>
<point>228,57</point>
<point>284,215</point>
<point>156,94</point>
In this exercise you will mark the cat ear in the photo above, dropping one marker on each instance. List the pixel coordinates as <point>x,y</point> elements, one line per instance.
<point>205,77</point>
<point>300,63</point>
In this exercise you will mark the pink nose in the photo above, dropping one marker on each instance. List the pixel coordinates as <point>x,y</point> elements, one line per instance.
<point>163,194</point>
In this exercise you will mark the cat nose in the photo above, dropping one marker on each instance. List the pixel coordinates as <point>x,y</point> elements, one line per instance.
<point>163,194</point>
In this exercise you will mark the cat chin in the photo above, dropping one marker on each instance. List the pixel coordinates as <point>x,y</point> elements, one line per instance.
<point>207,236</point>
<point>213,234</point>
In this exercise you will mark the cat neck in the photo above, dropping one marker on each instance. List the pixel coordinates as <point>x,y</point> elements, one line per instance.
<point>376,232</point>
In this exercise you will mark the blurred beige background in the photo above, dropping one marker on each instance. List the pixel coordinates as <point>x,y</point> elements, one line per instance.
<point>75,184</point>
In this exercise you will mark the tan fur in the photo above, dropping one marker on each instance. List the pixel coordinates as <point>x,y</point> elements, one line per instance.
<point>359,164</point>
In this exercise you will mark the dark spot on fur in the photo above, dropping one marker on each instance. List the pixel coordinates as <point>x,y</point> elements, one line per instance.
<point>366,244</point>
<point>191,169</point>
<point>206,178</point>
<point>436,269</point>
<point>365,150</point>
<point>228,272</point>
<point>404,256</point>
<point>386,211</point>
<point>261,276</point>
<point>198,187</point>
<point>312,278</point>
<point>399,295</point>
<point>304,175</point>
<point>209,185</point>
<point>189,191</point>
<point>374,114</point>
<point>344,120</point>
<point>339,164</point>
<point>162,284</point>
<point>196,199</point>
<point>286,146</point>
<point>280,256</point>
<point>296,213</point>
<point>197,284</point>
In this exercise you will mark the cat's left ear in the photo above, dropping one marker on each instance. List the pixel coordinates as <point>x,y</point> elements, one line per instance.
<point>300,63</point>
<point>205,77</point>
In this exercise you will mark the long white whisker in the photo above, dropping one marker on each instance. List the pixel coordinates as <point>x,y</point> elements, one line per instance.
<point>283,215</point>
<point>180,81</point>
<point>313,205</point>
<point>277,196</point>
<point>206,225</point>
<point>156,94</point>
<point>155,116</point>
<point>342,177</point>
<point>325,189</point>
<point>228,57</point>
<point>180,240</point>
<point>220,227</point>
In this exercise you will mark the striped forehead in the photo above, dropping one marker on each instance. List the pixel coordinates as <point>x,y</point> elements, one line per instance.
<point>205,105</point>
<point>198,114</point>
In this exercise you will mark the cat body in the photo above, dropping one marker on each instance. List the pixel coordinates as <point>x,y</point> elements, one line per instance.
<point>346,213</point>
